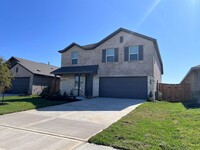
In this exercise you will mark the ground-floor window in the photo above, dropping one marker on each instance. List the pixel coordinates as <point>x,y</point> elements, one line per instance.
<point>76,80</point>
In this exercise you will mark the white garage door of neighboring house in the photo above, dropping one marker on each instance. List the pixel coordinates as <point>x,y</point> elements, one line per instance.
<point>123,87</point>
<point>20,85</point>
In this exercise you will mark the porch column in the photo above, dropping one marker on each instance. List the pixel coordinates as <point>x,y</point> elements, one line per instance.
<point>90,85</point>
<point>79,83</point>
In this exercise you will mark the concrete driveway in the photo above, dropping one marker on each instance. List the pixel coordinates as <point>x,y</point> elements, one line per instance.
<point>66,126</point>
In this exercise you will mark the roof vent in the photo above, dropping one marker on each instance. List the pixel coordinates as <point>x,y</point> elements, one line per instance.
<point>38,70</point>
<point>51,68</point>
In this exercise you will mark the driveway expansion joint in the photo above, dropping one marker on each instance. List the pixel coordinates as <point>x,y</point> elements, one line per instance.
<point>38,122</point>
<point>45,133</point>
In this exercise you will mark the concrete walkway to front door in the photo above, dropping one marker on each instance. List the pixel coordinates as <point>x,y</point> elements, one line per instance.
<point>66,126</point>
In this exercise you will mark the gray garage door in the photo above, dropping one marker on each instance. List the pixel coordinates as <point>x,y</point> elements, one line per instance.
<point>123,87</point>
<point>19,85</point>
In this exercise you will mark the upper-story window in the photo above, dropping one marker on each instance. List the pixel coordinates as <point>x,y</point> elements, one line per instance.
<point>110,54</point>
<point>121,39</point>
<point>134,53</point>
<point>74,57</point>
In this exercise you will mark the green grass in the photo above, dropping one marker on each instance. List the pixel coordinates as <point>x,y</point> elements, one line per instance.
<point>21,103</point>
<point>159,125</point>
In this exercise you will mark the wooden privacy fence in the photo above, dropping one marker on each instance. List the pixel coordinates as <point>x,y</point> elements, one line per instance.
<point>52,86</point>
<point>175,92</point>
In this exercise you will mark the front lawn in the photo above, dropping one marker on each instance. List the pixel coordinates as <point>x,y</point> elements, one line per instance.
<point>159,125</point>
<point>21,103</point>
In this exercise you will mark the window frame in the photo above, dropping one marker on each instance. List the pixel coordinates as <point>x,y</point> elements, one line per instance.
<point>73,57</point>
<point>134,53</point>
<point>108,55</point>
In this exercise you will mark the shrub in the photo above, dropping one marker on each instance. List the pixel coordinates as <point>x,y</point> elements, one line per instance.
<point>58,94</point>
<point>72,92</point>
<point>65,94</point>
<point>150,97</point>
<point>26,92</point>
<point>45,92</point>
<point>158,95</point>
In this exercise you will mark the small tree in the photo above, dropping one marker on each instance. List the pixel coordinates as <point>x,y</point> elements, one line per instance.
<point>5,77</point>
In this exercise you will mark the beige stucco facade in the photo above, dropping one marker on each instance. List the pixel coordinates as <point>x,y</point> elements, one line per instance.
<point>149,67</point>
<point>120,68</point>
<point>69,80</point>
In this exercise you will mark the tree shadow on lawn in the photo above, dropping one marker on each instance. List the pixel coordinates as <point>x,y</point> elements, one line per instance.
<point>37,101</point>
<point>93,104</point>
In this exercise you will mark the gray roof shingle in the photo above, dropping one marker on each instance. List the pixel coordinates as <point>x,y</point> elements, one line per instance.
<point>196,67</point>
<point>76,69</point>
<point>89,46</point>
<point>35,67</point>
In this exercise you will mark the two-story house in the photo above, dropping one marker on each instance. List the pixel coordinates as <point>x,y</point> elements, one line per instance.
<point>125,64</point>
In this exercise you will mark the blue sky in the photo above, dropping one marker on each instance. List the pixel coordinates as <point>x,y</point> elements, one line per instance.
<point>37,29</point>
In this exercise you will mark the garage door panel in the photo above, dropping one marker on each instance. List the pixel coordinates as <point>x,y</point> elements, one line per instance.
<point>123,87</point>
<point>19,85</point>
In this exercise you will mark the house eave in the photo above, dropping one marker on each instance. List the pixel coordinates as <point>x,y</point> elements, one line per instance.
<point>70,46</point>
<point>92,69</point>
<point>189,72</point>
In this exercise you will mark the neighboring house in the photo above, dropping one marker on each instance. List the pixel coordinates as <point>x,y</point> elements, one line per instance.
<point>125,64</point>
<point>193,78</point>
<point>29,77</point>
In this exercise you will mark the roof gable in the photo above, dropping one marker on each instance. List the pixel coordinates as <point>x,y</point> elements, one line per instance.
<point>70,46</point>
<point>33,67</point>
<point>93,46</point>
